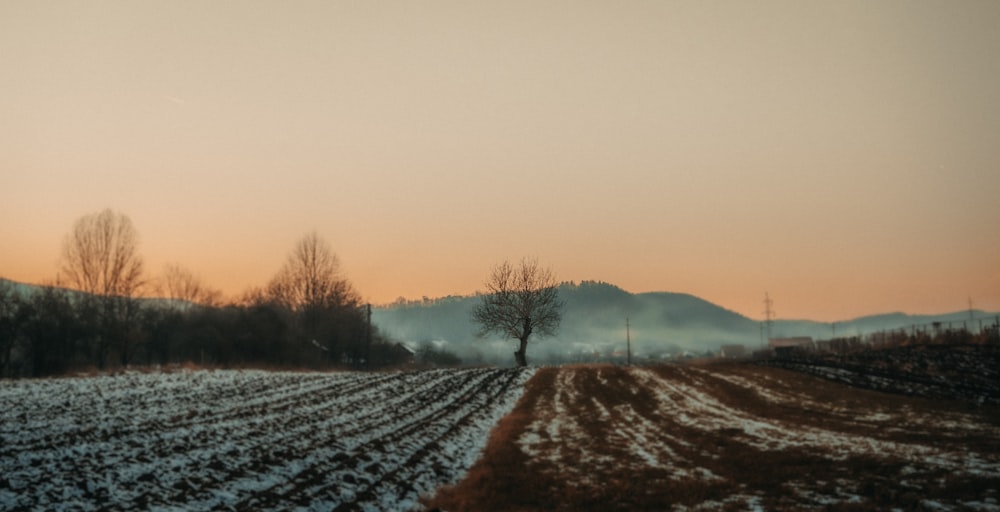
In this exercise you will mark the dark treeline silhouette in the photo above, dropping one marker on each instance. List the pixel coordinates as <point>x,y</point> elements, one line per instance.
<point>52,331</point>
<point>308,315</point>
<point>935,362</point>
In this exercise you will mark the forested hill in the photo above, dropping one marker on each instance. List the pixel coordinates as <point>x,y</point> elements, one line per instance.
<point>594,320</point>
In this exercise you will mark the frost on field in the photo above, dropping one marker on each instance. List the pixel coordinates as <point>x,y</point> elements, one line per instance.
<point>245,439</point>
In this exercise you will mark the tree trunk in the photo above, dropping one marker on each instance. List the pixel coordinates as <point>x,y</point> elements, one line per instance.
<point>520,356</point>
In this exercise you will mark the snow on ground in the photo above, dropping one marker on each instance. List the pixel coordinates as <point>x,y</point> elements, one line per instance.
<point>696,408</point>
<point>747,437</point>
<point>245,439</point>
<point>585,433</point>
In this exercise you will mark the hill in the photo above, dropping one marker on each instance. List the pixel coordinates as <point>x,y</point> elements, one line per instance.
<point>662,323</point>
<point>593,321</point>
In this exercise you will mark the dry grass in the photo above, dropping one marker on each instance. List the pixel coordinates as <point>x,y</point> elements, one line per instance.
<point>728,437</point>
<point>499,476</point>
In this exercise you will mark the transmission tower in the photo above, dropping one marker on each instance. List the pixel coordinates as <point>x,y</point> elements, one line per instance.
<point>768,314</point>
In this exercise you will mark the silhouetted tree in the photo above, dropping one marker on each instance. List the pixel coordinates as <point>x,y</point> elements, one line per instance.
<point>310,278</point>
<point>181,286</point>
<point>519,301</point>
<point>262,332</point>
<point>13,317</point>
<point>53,332</point>
<point>101,258</point>
<point>324,304</point>
<point>162,328</point>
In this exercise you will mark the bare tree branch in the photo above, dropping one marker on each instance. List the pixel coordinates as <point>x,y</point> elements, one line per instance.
<point>311,278</point>
<point>520,301</point>
<point>101,255</point>
<point>182,285</point>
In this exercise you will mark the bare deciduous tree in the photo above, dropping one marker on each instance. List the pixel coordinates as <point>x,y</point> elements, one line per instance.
<point>520,301</point>
<point>13,313</point>
<point>324,305</point>
<point>101,257</point>
<point>311,278</point>
<point>182,285</point>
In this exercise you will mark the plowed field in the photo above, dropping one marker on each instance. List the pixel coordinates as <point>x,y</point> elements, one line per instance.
<point>730,437</point>
<point>721,437</point>
<point>245,440</point>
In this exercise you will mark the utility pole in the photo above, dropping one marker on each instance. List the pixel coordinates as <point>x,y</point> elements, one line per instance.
<point>768,314</point>
<point>628,340</point>
<point>368,336</point>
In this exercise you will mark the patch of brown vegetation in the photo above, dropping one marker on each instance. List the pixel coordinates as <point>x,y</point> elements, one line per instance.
<point>506,478</point>
<point>499,480</point>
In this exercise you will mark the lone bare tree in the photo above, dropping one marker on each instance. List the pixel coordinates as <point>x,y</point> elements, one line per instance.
<point>520,301</point>
<point>101,257</point>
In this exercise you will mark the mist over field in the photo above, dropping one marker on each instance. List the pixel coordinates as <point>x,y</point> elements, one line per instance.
<point>594,321</point>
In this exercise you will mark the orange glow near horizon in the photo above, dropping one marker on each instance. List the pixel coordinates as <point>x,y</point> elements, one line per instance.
<point>840,156</point>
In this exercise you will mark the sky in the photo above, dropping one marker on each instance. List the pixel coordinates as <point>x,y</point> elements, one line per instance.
<point>841,156</point>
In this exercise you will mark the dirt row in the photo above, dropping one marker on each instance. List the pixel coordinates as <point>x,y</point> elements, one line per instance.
<point>729,437</point>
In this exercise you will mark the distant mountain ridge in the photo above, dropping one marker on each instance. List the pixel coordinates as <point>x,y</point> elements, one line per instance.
<point>594,320</point>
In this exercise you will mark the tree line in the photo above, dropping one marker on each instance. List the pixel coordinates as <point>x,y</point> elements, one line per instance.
<point>308,315</point>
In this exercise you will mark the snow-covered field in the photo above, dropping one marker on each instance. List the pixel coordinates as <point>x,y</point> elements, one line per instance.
<point>245,440</point>
<point>734,437</point>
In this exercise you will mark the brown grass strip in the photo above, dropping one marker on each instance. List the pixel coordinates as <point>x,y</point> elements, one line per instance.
<point>499,480</point>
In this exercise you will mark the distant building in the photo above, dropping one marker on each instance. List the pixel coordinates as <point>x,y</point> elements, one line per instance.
<point>799,341</point>
<point>733,351</point>
<point>682,355</point>
<point>787,347</point>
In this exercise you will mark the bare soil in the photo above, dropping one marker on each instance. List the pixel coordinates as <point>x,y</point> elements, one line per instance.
<point>730,437</point>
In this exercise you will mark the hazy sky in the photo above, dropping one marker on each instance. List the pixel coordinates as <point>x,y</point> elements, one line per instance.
<point>843,156</point>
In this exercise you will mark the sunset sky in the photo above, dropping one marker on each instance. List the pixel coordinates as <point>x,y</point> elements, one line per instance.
<point>842,156</point>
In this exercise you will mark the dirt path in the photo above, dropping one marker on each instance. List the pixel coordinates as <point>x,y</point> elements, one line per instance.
<point>729,437</point>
